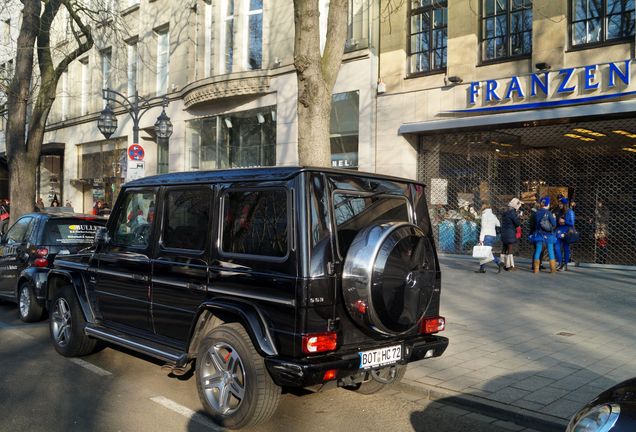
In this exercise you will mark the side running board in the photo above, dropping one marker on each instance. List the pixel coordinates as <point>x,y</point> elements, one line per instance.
<point>144,346</point>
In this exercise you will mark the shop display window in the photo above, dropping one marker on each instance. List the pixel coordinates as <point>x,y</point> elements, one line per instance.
<point>102,170</point>
<point>242,139</point>
<point>344,129</point>
<point>50,178</point>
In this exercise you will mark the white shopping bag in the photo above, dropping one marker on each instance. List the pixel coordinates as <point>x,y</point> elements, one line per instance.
<point>482,252</point>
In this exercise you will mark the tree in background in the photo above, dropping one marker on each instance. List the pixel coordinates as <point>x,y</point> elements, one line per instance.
<point>316,74</point>
<point>32,89</point>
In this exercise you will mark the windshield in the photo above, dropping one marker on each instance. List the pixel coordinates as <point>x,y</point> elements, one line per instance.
<point>80,232</point>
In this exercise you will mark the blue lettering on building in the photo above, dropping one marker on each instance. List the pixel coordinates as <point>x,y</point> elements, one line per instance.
<point>542,84</point>
<point>614,72</point>
<point>474,91</point>
<point>491,91</point>
<point>515,86</point>
<point>589,77</point>
<point>567,81</point>
<point>566,74</point>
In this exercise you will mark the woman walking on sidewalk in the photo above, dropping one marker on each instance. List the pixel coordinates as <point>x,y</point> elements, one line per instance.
<point>487,236</point>
<point>544,227</point>
<point>509,224</point>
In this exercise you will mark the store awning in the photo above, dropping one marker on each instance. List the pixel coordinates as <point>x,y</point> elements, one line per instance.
<point>578,112</point>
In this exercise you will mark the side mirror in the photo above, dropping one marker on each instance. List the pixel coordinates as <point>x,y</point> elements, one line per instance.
<point>101,237</point>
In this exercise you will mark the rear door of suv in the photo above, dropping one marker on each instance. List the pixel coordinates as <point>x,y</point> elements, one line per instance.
<point>180,266</point>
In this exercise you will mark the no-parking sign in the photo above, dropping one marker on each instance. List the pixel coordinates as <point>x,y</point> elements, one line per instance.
<point>136,152</point>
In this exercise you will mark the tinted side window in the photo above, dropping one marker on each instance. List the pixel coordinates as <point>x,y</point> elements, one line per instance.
<point>353,212</point>
<point>255,223</point>
<point>19,231</point>
<point>187,219</point>
<point>134,220</point>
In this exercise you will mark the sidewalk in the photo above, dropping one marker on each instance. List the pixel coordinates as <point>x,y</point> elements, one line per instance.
<point>530,348</point>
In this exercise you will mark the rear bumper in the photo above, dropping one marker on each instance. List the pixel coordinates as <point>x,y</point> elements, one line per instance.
<point>309,371</point>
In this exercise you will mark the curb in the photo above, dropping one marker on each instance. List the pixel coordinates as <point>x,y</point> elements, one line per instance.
<point>501,411</point>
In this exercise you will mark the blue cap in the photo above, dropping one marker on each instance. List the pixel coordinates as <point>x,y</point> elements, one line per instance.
<point>564,200</point>
<point>545,201</point>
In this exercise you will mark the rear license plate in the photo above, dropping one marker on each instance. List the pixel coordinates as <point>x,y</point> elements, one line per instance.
<point>380,357</point>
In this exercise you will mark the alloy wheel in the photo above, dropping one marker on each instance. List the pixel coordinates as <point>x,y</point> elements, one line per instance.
<point>223,378</point>
<point>61,322</point>
<point>25,301</point>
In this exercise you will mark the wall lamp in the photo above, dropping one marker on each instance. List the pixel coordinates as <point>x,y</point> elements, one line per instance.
<point>454,79</point>
<point>542,66</point>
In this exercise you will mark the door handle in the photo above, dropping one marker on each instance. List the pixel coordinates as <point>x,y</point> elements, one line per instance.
<point>140,277</point>
<point>195,287</point>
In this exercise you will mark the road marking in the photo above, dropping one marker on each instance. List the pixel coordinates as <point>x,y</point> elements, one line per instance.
<point>186,412</point>
<point>90,366</point>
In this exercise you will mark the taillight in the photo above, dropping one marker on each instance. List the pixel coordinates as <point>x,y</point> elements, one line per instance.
<point>329,375</point>
<point>41,260</point>
<point>432,325</point>
<point>319,342</point>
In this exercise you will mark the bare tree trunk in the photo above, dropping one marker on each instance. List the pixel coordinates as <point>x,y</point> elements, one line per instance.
<point>316,76</point>
<point>24,146</point>
<point>22,159</point>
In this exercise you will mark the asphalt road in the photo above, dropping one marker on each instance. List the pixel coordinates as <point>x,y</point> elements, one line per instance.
<point>114,390</point>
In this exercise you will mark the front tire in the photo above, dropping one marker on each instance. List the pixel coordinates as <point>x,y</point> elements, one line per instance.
<point>233,383</point>
<point>67,325</point>
<point>28,307</point>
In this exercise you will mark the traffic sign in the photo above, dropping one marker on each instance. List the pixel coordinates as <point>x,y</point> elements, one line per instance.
<point>136,152</point>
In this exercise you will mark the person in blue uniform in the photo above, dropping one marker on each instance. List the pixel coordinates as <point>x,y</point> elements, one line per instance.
<point>565,222</point>
<point>545,223</point>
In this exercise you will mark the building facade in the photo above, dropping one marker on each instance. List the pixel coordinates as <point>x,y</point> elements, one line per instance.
<point>481,100</point>
<point>226,67</point>
<point>486,100</point>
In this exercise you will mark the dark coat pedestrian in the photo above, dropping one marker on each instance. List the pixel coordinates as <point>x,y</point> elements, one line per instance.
<point>509,223</point>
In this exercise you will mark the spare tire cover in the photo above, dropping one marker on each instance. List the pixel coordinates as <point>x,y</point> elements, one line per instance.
<point>389,276</point>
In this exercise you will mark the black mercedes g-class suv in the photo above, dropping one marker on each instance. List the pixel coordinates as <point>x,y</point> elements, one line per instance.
<point>264,278</point>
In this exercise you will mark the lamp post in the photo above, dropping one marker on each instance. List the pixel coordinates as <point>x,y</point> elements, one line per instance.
<point>136,106</point>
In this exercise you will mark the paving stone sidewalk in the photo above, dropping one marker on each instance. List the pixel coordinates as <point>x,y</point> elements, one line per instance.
<point>541,345</point>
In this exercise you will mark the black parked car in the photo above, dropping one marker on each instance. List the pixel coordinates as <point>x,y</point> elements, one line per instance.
<point>613,410</point>
<point>272,277</point>
<point>27,251</point>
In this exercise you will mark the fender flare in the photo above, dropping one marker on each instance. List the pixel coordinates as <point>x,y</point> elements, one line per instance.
<point>36,277</point>
<point>58,278</point>
<point>245,313</point>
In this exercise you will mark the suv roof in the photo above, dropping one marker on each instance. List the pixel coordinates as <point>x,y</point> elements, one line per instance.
<point>247,174</point>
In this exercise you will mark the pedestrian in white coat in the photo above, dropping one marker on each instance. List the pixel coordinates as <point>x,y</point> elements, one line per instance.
<point>487,237</point>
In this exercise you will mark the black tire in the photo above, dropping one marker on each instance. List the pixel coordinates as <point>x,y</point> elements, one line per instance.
<point>372,386</point>
<point>228,364</point>
<point>28,307</point>
<point>67,325</point>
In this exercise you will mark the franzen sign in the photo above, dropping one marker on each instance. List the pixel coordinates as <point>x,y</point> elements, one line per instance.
<point>496,95</point>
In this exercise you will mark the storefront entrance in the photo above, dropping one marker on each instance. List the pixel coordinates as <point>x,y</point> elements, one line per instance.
<point>593,163</point>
